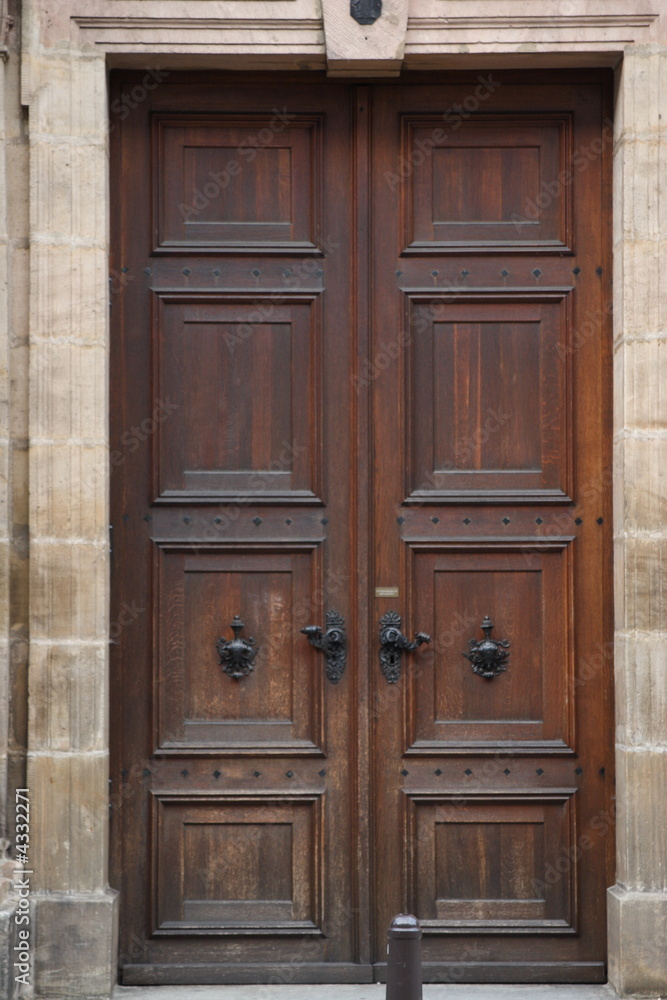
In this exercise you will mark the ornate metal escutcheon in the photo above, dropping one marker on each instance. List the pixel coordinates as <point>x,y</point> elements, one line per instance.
<point>392,644</point>
<point>236,655</point>
<point>488,657</point>
<point>365,11</point>
<point>332,644</point>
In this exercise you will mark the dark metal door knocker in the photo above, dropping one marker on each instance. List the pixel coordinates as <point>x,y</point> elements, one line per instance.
<point>236,655</point>
<point>392,644</point>
<point>488,657</point>
<point>332,644</point>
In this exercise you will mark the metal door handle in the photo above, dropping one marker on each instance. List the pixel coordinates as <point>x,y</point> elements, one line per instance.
<point>332,644</point>
<point>392,644</point>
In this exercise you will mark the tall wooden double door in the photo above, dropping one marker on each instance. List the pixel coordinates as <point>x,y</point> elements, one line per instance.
<point>360,386</point>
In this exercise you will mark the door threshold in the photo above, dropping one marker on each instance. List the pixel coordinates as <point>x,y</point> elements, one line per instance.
<point>375,991</point>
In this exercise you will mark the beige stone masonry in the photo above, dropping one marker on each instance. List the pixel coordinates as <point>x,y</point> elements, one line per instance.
<point>365,49</point>
<point>638,903</point>
<point>13,428</point>
<point>67,48</point>
<point>69,623</point>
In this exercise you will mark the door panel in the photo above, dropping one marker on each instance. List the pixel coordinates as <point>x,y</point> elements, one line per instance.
<point>530,586</point>
<point>491,449</point>
<point>234,798</point>
<point>361,365</point>
<point>477,185</point>
<point>487,407</point>
<point>260,383</point>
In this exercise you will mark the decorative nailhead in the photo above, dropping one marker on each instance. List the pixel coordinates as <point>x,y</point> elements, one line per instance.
<point>467,771</point>
<point>538,520</point>
<point>507,771</point>
<point>289,774</point>
<point>216,774</point>
<point>578,520</point>
<point>256,520</point>
<point>405,773</point>
<point>506,520</point>
<point>539,771</point>
<point>438,772</point>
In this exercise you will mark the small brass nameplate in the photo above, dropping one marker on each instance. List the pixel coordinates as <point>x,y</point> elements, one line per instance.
<point>386,591</point>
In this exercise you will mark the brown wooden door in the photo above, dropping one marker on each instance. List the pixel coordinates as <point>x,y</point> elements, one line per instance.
<point>491,469</point>
<point>360,365</point>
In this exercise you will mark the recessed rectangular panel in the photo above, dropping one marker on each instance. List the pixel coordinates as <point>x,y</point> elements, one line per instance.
<point>239,393</point>
<point>488,402</point>
<point>274,704</point>
<point>486,395</point>
<point>236,184</point>
<point>489,863</point>
<point>525,593</point>
<point>237,865</point>
<point>514,596</point>
<point>482,185</point>
<point>484,864</point>
<point>486,184</point>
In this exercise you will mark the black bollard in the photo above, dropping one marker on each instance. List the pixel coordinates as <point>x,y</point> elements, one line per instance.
<point>404,958</point>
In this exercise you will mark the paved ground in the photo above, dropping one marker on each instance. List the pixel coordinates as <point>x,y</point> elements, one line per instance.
<point>376,992</point>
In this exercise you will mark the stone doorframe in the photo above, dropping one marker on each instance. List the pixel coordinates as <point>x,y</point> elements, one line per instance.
<point>65,57</point>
